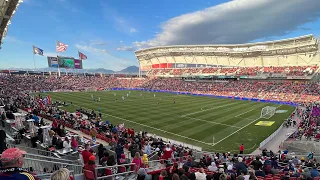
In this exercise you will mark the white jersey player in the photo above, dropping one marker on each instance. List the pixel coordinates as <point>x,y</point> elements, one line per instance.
<point>122,97</point>
<point>154,95</point>
<point>127,95</point>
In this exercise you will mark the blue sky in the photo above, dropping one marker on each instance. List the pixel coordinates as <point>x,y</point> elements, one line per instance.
<point>108,31</point>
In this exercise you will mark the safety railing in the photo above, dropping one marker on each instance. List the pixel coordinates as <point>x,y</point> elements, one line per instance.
<point>155,164</point>
<point>71,157</point>
<point>48,158</point>
<point>107,171</point>
<point>43,166</point>
<point>48,175</point>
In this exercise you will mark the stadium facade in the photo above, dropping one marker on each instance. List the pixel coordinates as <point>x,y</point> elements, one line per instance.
<point>298,51</point>
<point>7,10</point>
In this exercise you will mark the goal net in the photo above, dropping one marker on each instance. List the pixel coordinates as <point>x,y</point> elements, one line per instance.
<point>267,112</point>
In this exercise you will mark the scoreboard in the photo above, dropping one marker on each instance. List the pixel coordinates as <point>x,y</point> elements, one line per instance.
<point>64,62</point>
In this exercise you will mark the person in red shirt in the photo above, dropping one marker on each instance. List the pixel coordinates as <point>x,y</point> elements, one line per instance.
<point>167,153</point>
<point>86,154</point>
<point>241,148</point>
<point>91,165</point>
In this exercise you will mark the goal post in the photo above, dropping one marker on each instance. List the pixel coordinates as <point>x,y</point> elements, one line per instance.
<point>267,112</point>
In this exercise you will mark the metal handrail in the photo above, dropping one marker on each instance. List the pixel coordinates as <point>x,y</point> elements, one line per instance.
<point>38,165</point>
<point>124,173</point>
<point>51,153</point>
<point>53,158</point>
<point>110,167</point>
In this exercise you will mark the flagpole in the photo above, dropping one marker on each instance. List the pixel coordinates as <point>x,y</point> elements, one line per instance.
<point>34,61</point>
<point>58,59</point>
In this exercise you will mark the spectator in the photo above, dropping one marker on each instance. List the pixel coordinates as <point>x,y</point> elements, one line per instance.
<point>314,172</point>
<point>143,175</point>
<point>201,175</point>
<point>104,159</point>
<point>137,160</point>
<point>12,161</point>
<point>257,164</point>
<point>175,176</point>
<point>61,174</point>
<point>91,165</point>
<point>86,153</point>
<point>212,167</point>
<point>74,143</point>
<point>3,144</point>
<point>101,151</point>
<point>163,175</point>
<point>145,160</point>
<point>240,166</point>
<point>66,143</point>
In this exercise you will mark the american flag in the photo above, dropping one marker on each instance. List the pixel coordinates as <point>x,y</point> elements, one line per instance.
<point>61,47</point>
<point>82,56</point>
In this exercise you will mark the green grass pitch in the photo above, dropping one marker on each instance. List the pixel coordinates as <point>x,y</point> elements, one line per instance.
<point>193,120</point>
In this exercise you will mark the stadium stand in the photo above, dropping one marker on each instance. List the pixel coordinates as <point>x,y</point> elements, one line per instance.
<point>270,165</point>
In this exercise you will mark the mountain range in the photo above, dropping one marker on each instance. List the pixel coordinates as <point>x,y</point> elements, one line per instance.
<point>128,70</point>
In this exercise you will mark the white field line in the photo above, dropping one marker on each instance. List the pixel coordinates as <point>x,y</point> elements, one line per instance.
<point>238,130</point>
<point>244,113</point>
<point>197,119</point>
<point>150,127</point>
<point>208,109</point>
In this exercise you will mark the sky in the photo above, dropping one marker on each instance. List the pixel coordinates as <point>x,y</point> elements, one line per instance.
<point>109,31</point>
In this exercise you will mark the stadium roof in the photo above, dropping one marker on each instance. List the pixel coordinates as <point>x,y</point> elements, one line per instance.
<point>7,10</point>
<point>298,51</point>
<point>233,45</point>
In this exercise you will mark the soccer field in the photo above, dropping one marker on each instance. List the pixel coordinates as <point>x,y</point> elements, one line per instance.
<point>191,119</point>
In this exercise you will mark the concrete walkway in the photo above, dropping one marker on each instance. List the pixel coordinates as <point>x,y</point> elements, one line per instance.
<point>274,144</point>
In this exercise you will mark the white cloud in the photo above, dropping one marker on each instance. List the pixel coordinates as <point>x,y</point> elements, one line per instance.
<point>121,41</point>
<point>237,21</point>
<point>125,48</point>
<point>133,30</point>
<point>109,60</point>
<point>91,49</point>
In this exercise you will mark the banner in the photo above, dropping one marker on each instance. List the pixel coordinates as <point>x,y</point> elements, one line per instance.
<point>52,61</point>
<point>64,62</point>
<point>77,64</point>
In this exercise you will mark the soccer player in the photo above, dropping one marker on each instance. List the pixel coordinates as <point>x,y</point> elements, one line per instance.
<point>127,95</point>
<point>114,94</point>
<point>174,101</point>
<point>91,96</point>
<point>154,95</point>
<point>99,99</point>
<point>122,97</point>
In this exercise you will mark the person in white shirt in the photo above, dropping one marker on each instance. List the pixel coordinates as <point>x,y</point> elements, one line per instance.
<point>213,167</point>
<point>200,175</point>
<point>66,143</point>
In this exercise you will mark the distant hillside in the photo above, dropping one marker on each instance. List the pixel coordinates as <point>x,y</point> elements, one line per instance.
<point>130,70</point>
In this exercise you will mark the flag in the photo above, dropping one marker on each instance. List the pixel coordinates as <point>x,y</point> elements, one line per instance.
<point>49,99</point>
<point>61,47</point>
<point>82,56</point>
<point>37,50</point>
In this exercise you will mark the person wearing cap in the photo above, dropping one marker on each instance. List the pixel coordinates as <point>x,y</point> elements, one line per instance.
<point>12,161</point>
<point>91,165</point>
